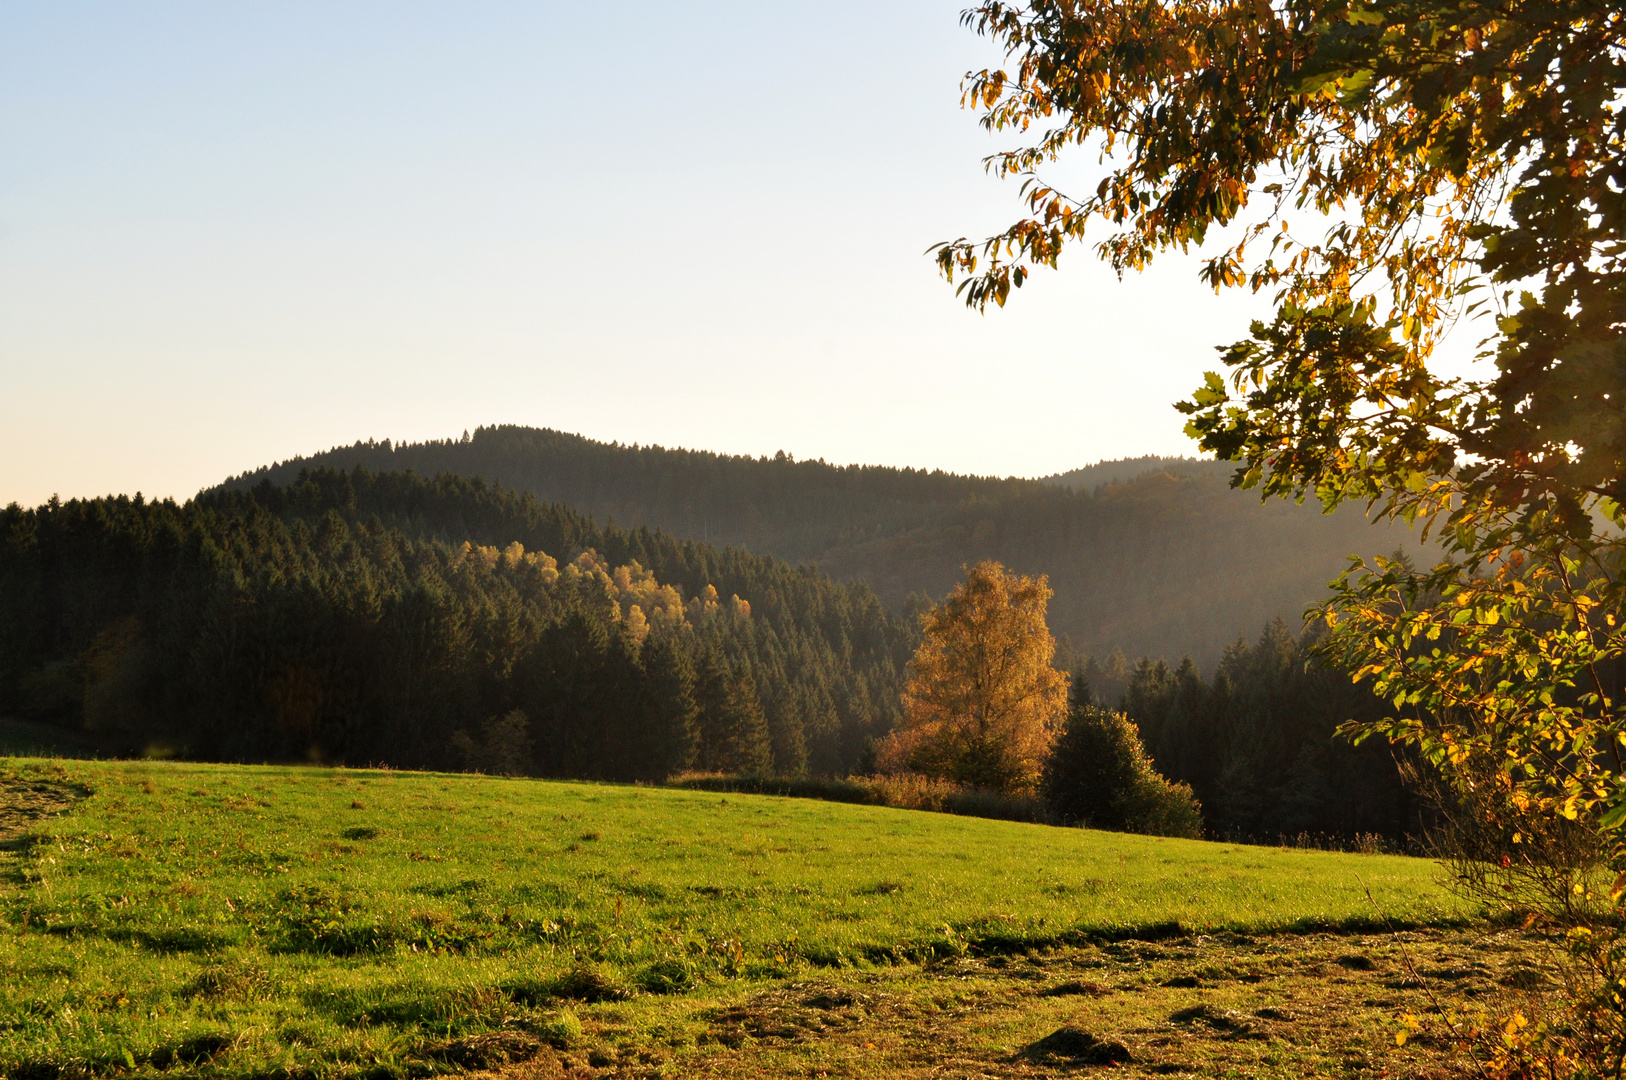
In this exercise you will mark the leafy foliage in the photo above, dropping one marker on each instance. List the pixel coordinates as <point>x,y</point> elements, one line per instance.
<point>1461,158</point>
<point>983,701</point>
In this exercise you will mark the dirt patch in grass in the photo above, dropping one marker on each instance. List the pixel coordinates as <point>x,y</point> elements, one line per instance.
<point>1282,1006</point>
<point>26,799</point>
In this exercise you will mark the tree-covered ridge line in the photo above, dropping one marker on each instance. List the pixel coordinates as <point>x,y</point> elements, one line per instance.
<point>1124,470</point>
<point>361,618</point>
<point>1167,561</point>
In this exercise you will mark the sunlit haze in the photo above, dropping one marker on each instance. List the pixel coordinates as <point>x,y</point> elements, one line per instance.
<point>230,234</point>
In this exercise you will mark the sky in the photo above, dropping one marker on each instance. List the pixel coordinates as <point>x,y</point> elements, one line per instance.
<point>234,233</point>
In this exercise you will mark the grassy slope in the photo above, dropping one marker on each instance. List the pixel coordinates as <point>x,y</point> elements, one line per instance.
<point>281,918</point>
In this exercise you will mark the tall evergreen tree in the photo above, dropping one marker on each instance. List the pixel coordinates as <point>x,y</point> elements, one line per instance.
<point>667,710</point>
<point>743,742</point>
<point>786,731</point>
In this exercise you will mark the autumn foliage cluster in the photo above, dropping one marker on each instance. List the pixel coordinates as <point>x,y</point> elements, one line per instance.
<point>983,701</point>
<point>985,708</point>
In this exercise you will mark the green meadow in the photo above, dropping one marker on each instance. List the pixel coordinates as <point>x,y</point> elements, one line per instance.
<point>246,921</point>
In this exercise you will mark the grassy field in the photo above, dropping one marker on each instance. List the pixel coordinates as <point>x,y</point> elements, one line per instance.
<point>257,921</point>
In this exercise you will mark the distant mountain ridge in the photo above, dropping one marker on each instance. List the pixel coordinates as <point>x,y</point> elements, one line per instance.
<point>1118,471</point>
<point>1148,555</point>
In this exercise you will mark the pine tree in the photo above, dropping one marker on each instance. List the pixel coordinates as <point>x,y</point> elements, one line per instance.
<point>667,710</point>
<point>711,699</point>
<point>787,732</point>
<point>743,744</point>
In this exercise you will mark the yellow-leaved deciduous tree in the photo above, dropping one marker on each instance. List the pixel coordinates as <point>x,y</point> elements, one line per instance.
<point>983,700</point>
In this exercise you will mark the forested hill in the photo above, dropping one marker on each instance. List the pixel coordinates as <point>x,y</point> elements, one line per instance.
<point>1091,477</point>
<point>1165,560</point>
<point>362,618</point>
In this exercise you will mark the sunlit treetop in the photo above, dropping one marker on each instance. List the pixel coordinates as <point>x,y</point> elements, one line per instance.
<point>1386,169</point>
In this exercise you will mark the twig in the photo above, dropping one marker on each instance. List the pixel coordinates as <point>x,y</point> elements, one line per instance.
<point>1405,958</point>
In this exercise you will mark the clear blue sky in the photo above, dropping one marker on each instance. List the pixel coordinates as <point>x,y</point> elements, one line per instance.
<point>230,233</point>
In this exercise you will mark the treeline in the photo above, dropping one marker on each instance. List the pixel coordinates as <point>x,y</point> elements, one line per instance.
<point>1256,740</point>
<point>354,617</point>
<point>1123,470</point>
<point>1153,556</point>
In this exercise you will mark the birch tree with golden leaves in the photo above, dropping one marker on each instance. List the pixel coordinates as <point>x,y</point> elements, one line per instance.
<point>983,699</point>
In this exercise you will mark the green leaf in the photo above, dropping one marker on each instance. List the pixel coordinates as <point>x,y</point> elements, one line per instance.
<point>1212,391</point>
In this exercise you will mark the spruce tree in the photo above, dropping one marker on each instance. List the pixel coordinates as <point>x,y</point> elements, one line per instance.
<point>711,698</point>
<point>743,743</point>
<point>667,710</point>
<point>787,732</point>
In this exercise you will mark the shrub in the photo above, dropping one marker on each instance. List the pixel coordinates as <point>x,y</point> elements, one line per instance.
<point>912,791</point>
<point>904,791</point>
<point>1098,775</point>
<point>1159,807</point>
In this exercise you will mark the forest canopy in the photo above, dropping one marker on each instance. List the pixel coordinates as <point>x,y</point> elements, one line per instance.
<point>358,618</point>
<point>1153,556</point>
<point>448,623</point>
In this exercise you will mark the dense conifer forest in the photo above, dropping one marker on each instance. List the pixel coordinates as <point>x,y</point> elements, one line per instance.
<point>360,618</point>
<point>1256,739</point>
<point>1151,556</point>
